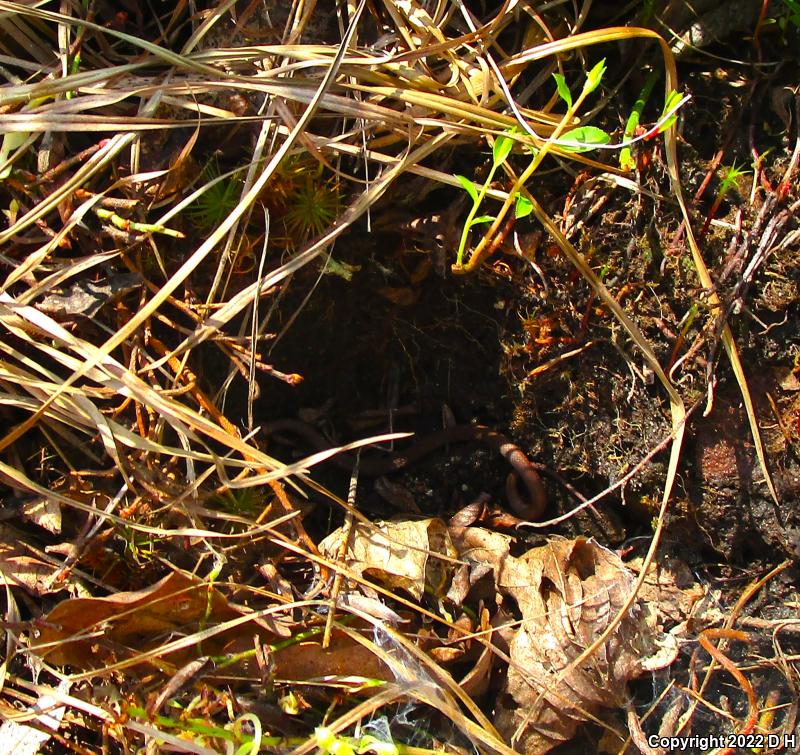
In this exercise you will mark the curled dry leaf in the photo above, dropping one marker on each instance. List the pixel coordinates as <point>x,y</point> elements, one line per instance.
<point>90,633</point>
<point>671,587</point>
<point>567,593</point>
<point>44,512</point>
<point>20,567</point>
<point>408,555</point>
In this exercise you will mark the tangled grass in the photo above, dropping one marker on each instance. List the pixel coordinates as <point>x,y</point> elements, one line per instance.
<point>106,120</point>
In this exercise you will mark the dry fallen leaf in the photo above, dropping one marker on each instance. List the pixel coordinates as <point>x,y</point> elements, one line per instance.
<point>21,568</point>
<point>402,297</point>
<point>408,555</point>
<point>44,512</point>
<point>567,593</point>
<point>344,658</point>
<point>670,586</point>
<point>90,633</point>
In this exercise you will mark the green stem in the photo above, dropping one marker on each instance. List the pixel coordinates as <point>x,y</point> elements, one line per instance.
<point>472,213</point>
<point>626,161</point>
<point>483,248</point>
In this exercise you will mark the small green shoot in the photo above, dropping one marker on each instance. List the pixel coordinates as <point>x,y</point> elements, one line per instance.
<point>729,179</point>
<point>563,89</point>
<point>732,175</point>
<point>577,140</point>
<point>74,67</point>
<point>793,12</point>
<point>626,160</point>
<point>584,138</point>
<point>593,78</point>
<point>124,224</point>
<point>670,114</point>
<point>336,744</point>
<point>500,152</point>
<point>216,198</point>
<point>668,117</point>
<point>312,208</point>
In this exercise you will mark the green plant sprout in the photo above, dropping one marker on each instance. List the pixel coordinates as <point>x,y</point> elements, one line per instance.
<point>500,152</point>
<point>577,140</point>
<point>581,139</point>
<point>729,179</point>
<point>129,225</point>
<point>626,161</point>
<point>216,198</point>
<point>732,175</point>
<point>793,12</point>
<point>74,67</point>
<point>336,744</point>
<point>200,732</point>
<point>312,206</point>
<point>668,116</point>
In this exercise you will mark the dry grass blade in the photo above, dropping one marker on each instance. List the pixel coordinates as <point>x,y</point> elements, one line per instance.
<point>428,682</point>
<point>202,252</point>
<point>716,305</point>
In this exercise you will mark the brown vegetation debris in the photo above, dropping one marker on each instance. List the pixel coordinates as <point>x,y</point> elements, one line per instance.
<point>409,555</point>
<point>92,633</point>
<point>568,592</point>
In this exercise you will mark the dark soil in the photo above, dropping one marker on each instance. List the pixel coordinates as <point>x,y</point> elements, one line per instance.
<point>400,341</point>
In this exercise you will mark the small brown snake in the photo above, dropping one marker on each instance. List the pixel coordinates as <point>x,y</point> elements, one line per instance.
<point>524,489</point>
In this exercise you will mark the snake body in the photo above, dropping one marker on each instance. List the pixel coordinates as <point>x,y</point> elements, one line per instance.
<point>524,489</point>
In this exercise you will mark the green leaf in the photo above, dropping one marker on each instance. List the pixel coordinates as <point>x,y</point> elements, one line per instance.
<point>368,743</point>
<point>481,219</point>
<point>501,149</point>
<point>12,141</point>
<point>586,138</point>
<point>673,98</point>
<point>563,89</point>
<point>523,207</point>
<point>594,77</point>
<point>626,161</point>
<point>469,187</point>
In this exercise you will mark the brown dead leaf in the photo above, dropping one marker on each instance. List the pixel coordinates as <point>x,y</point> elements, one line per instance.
<point>20,568</point>
<point>44,512</point>
<point>567,593</point>
<point>402,297</point>
<point>396,495</point>
<point>408,555</point>
<point>670,587</point>
<point>476,681</point>
<point>91,633</point>
<point>421,271</point>
<point>344,658</point>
